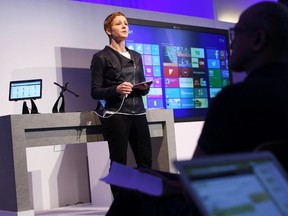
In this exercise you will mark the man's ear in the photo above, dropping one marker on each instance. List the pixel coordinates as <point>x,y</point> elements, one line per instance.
<point>260,40</point>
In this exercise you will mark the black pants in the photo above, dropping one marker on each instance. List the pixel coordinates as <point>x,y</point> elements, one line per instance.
<point>133,203</point>
<point>119,130</point>
<point>130,203</point>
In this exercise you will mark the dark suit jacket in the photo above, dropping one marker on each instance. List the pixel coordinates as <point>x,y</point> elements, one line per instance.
<point>246,114</point>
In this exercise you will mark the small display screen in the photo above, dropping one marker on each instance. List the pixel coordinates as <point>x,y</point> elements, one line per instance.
<point>25,89</point>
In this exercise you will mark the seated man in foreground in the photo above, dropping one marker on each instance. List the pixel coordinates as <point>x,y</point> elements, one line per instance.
<point>243,115</point>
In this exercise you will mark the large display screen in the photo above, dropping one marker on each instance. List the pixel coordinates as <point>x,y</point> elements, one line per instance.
<point>188,64</point>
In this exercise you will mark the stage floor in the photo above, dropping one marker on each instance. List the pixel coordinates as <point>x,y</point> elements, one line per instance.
<point>80,209</point>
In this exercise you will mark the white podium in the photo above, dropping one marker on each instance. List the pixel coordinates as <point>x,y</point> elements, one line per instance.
<point>21,131</point>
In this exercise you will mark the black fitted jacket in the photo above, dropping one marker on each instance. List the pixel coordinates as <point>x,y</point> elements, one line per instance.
<point>109,69</point>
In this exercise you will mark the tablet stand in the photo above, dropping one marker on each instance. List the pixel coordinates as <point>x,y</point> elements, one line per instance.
<point>25,109</point>
<point>61,100</point>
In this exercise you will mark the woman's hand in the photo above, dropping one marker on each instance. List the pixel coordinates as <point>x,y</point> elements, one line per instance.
<point>124,88</point>
<point>143,86</point>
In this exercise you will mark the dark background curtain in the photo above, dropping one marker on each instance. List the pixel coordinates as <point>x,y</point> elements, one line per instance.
<point>285,2</point>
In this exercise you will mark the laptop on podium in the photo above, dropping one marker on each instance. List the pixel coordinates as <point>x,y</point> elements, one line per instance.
<point>245,184</point>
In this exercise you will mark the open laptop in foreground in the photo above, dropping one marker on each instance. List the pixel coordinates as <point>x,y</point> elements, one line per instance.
<point>245,184</point>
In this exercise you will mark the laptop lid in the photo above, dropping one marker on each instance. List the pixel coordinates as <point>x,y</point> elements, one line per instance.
<point>246,184</point>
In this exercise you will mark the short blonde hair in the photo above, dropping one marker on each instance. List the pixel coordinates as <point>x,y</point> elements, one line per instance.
<point>109,19</point>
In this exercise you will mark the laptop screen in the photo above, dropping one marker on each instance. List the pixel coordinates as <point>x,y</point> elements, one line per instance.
<point>247,184</point>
